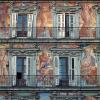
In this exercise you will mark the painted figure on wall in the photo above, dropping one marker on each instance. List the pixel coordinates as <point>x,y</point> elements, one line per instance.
<point>44,21</point>
<point>90,98</point>
<point>44,68</point>
<point>89,66</point>
<point>4,20</point>
<point>3,66</point>
<point>87,20</point>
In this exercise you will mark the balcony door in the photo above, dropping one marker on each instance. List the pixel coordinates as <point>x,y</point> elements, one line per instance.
<point>69,71</point>
<point>20,70</point>
<point>64,67</point>
<point>67,24</point>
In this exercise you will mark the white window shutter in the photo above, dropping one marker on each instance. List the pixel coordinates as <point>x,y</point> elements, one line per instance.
<point>60,25</point>
<point>13,69</point>
<point>72,25</point>
<point>56,69</point>
<point>76,70</point>
<point>98,25</point>
<point>29,24</point>
<point>13,24</point>
<point>76,25</point>
<point>32,70</point>
<point>34,25</point>
<point>98,67</point>
<point>26,69</point>
<point>63,25</point>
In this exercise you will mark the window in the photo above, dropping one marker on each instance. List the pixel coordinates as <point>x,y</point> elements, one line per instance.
<point>67,24</point>
<point>22,25</point>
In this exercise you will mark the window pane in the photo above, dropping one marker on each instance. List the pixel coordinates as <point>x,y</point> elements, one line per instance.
<point>19,23</point>
<point>25,22</point>
<point>22,26</point>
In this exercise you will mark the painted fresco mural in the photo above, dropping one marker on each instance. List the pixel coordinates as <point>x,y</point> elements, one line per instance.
<point>90,98</point>
<point>87,18</point>
<point>44,68</point>
<point>89,65</point>
<point>3,66</point>
<point>44,18</point>
<point>3,63</point>
<point>4,20</point>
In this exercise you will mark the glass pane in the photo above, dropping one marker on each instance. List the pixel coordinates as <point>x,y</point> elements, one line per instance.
<point>20,63</point>
<point>25,22</point>
<point>22,26</point>
<point>19,23</point>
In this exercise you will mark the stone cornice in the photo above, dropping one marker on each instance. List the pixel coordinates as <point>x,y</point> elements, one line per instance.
<point>67,8</point>
<point>25,9</point>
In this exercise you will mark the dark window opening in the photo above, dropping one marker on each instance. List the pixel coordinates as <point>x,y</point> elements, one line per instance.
<point>66,25</point>
<point>20,70</point>
<point>72,68</point>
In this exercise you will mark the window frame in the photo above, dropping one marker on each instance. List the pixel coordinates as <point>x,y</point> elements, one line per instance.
<point>62,22</point>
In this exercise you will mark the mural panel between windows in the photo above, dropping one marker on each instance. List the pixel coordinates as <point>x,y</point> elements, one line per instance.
<point>45,68</point>
<point>4,20</point>
<point>89,65</point>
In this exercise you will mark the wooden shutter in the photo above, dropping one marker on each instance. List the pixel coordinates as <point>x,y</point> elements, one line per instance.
<point>30,24</point>
<point>98,67</point>
<point>13,24</point>
<point>60,25</point>
<point>12,69</point>
<point>56,69</point>
<point>74,71</point>
<point>98,25</point>
<point>72,25</point>
<point>26,69</point>
<point>34,25</point>
<point>76,25</point>
<point>32,70</point>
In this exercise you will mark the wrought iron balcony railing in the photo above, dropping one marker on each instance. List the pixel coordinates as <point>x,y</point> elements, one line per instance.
<point>52,32</point>
<point>50,81</point>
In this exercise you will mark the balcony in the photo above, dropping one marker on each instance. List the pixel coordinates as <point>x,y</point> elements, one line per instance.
<point>51,33</point>
<point>54,81</point>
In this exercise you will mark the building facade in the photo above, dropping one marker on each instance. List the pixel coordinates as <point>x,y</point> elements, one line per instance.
<point>50,50</point>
